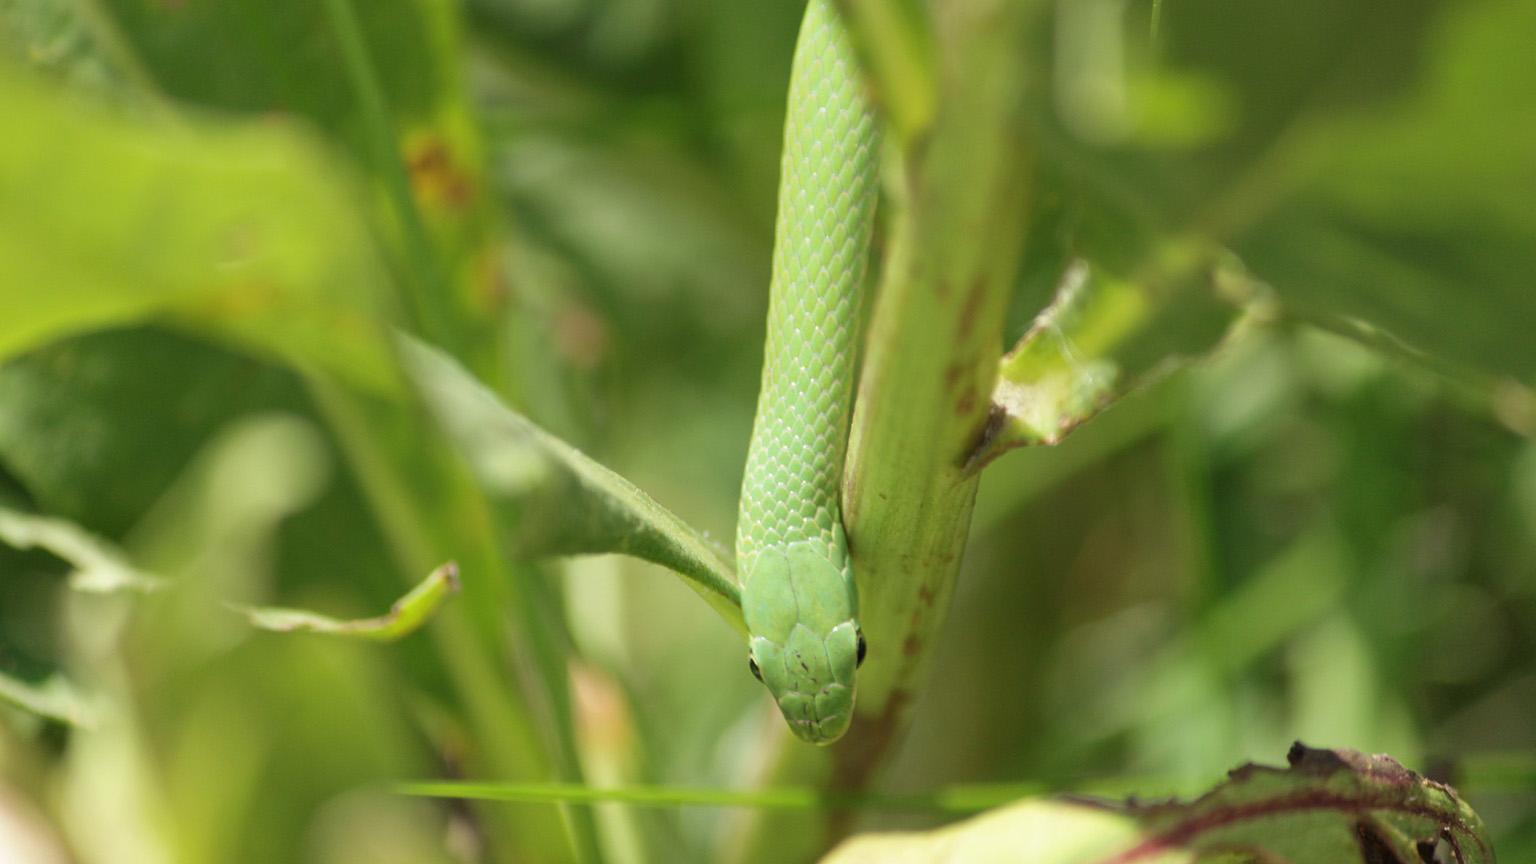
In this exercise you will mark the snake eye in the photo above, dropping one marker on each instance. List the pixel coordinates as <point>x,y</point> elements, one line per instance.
<point>862,649</point>
<point>752,664</point>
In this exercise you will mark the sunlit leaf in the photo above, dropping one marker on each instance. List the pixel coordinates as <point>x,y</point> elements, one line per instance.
<point>244,231</point>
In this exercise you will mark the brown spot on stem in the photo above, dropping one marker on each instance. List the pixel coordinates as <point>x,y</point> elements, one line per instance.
<point>970,309</point>
<point>985,449</point>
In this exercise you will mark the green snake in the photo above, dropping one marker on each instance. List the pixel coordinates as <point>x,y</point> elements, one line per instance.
<point>798,593</point>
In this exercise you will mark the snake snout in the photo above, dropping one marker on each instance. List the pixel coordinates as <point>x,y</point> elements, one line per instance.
<point>821,719</point>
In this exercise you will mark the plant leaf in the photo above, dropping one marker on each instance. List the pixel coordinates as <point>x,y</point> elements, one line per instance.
<point>1328,807</point>
<point>65,41</point>
<point>1445,267</point>
<point>380,82</point>
<point>1374,176</point>
<point>560,501</point>
<point>950,799</point>
<point>99,567</point>
<point>243,231</point>
<point>404,617</point>
<point>1099,339</point>
<point>53,696</point>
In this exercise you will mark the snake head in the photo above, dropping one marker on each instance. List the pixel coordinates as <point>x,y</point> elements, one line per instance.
<point>805,645</point>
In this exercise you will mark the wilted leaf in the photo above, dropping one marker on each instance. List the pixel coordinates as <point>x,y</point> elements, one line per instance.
<point>404,617</point>
<point>560,501</point>
<point>1329,807</point>
<point>1101,337</point>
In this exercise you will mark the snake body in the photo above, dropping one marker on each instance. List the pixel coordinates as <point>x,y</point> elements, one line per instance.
<point>798,592</point>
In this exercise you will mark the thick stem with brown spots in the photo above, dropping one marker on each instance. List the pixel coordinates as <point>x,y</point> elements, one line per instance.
<point>931,361</point>
<point>933,346</point>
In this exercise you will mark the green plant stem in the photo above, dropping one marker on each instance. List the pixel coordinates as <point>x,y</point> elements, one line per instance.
<point>895,46</point>
<point>467,635</point>
<point>430,302</point>
<point>933,347</point>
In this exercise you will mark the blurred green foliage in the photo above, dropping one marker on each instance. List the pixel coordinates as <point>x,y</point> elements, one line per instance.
<point>212,215</point>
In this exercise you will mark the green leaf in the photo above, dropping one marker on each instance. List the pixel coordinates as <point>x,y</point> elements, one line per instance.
<point>557,500</point>
<point>52,696</point>
<point>952,799</point>
<point>404,617</point>
<point>207,53</point>
<point>380,80</point>
<point>99,567</point>
<point>98,428</point>
<point>72,42</point>
<point>243,231</point>
<point>1370,168</point>
<point>1328,807</point>
<point>1416,219</point>
<point>1101,338</point>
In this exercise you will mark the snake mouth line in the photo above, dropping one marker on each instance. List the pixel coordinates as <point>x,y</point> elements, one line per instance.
<point>823,731</point>
<point>812,726</point>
